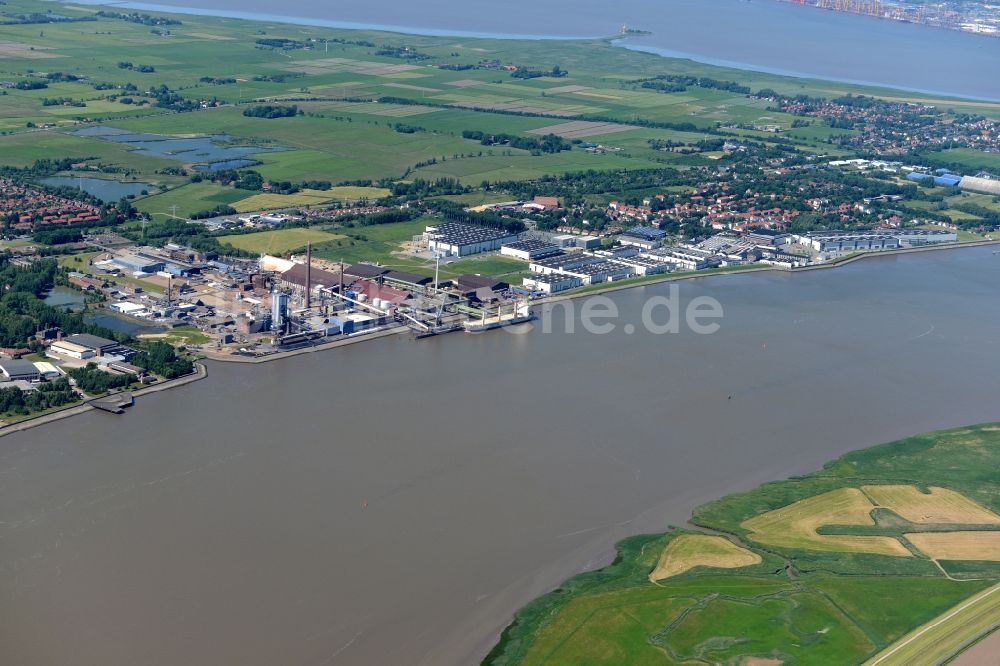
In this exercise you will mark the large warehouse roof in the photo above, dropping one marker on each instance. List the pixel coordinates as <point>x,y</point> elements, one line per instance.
<point>984,185</point>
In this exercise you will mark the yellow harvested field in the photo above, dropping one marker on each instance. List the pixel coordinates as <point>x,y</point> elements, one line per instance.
<point>958,545</point>
<point>279,240</point>
<point>795,525</point>
<point>279,201</point>
<point>688,551</point>
<point>939,506</point>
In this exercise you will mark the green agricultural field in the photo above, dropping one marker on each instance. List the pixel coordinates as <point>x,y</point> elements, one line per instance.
<point>382,243</point>
<point>278,241</point>
<point>344,140</point>
<point>189,199</point>
<point>943,637</point>
<point>971,160</point>
<point>806,601</point>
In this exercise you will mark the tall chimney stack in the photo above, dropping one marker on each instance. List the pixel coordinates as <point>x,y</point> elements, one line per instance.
<point>309,266</point>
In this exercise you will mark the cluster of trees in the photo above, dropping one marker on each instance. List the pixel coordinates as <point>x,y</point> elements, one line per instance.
<point>94,380</point>
<point>57,236</point>
<point>141,19</point>
<point>680,82</point>
<point>271,111</point>
<point>62,77</point>
<point>161,358</point>
<point>23,311</point>
<point>550,143</point>
<point>62,101</point>
<point>420,188</point>
<point>49,394</point>
<point>403,52</point>
<point>144,69</point>
<point>573,187</point>
<point>278,78</point>
<point>282,43</point>
<point>218,211</point>
<point>248,179</point>
<point>523,72</point>
<point>38,17</point>
<point>391,216</point>
<point>167,99</point>
<point>217,80</point>
<point>31,85</point>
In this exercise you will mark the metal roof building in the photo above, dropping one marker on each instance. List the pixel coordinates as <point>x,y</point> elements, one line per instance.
<point>412,279</point>
<point>530,249</point>
<point>16,369</point>
<point>137,264</point>
<point>93,342</point>
<point>458,240</point>
<point>983,185</point>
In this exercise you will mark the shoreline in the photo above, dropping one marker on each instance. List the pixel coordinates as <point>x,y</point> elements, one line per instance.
<point>616,41</point>
<point>691,275</point>
<point>201,371</point>
<point>698,523</point>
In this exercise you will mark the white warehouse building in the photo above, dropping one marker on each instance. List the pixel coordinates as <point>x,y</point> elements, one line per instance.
<point>452,239</point>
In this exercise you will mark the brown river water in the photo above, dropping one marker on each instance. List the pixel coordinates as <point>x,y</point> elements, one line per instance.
<point>395,502</point>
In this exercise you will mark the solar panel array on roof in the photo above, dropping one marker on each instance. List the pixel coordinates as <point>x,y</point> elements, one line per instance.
<point>646,233</point>
<point>464,234</point>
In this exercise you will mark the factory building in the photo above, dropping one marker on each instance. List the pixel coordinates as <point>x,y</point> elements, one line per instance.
<point>691,259</point>
<point>18,370</point>
<point>279,311</point>
<point>70,350</point>
<point>379,295</point>
<point>47,371</point>
<point>602,271</point>
<point>580,242</point>
<point>646,238</point>
<point>98,345</point>
<point>562,263</point>
<point>295,278</point>
<point>408,279</point>
<point>530,249</point>
<point>883,239</point>
<point>131,309</point>
<point>833,241</point>
<point>138,264</point>
<point>619,252</point>
<point>944,179</point>
<point>645,265</point>
<point>552,283</point>
<point>913,237</point>
<point>366,271</point>
<point>458,240</point>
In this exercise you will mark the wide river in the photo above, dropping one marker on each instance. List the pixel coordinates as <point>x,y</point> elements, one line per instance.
<point>394,502</point>
<point>765,35</point>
